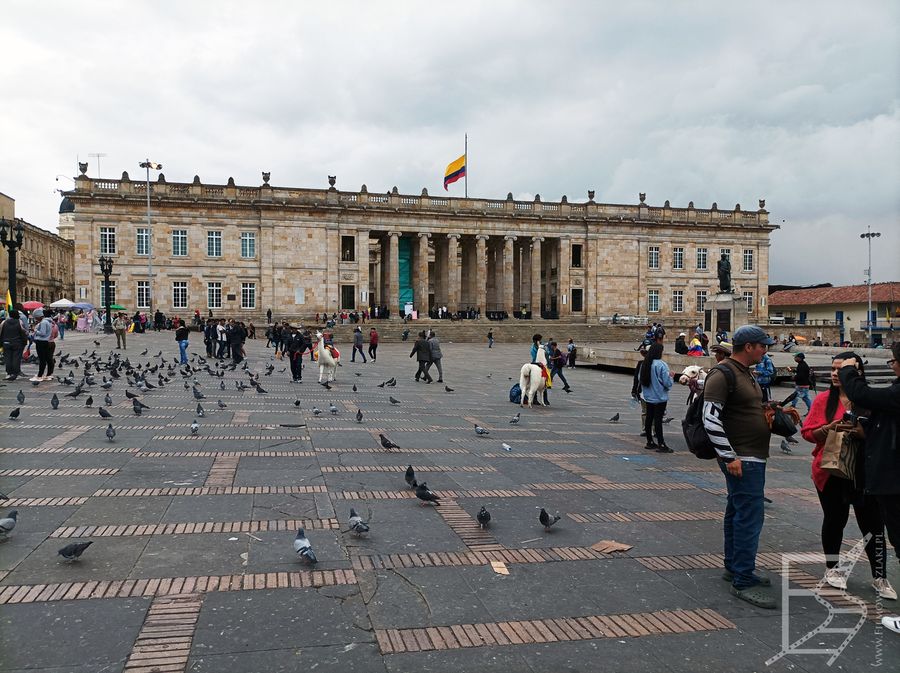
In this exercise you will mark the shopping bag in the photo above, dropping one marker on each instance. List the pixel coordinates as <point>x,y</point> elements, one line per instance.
<point>839,454</point>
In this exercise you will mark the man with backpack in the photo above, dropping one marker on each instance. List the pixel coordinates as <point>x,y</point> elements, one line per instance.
<point>735,422</point>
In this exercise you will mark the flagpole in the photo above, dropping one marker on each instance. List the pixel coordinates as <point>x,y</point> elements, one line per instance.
<point>466,155</point>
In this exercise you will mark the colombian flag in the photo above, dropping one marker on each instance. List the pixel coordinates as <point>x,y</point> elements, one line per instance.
<point>455,171</point>
<point>9,305</point>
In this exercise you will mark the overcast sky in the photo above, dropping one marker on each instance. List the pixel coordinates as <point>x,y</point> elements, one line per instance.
<point>794,102</point>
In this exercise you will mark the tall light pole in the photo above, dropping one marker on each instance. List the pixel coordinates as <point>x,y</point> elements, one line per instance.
<point>11,238</point>
<point>870,235</point>
<point>106,267</point>
<point>156,167</point>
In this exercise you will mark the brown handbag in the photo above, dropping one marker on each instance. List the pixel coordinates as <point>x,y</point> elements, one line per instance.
<point>839,454</point>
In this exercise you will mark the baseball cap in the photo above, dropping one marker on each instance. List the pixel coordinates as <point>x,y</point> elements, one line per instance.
<point>751,334</point>
<point>800,356</point>
<point>38,313</point>
<point>722,348</point>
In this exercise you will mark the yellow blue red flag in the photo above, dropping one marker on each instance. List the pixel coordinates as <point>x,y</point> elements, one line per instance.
<point>455,171</point>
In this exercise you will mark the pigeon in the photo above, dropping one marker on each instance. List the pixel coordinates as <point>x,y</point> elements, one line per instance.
<point>14,414</point>
<point>393,401</point>
<point>332,408</point>
<point>357,525</point>
<point>354,388</point>
<point>357,374</point>
<point>448,389</point>
<point>410,476</point>
<point>304,549</point>
<point>261,390</point>
<point>483,517</point>
<point>386,443</point>
<point>515,419</point>
<point>107,400</point>
<point>137,411</point>
<point>73,552</point>
<point>546,520</point>
<point>327,387</point>
<point>21,397</point>
<point>481,431</point>
<point>297,403</point>
<point>96,343</point>
<point>104,413</point>
<point>195,427</point>
<point>221,404</point>
<point>426,496</point>
<point>89,401</point>
<point>382,384</point>
<point>200,412</point>
<point>785,447</point>
<point>359,416</point>
<point>8,522</point>
<point>221,385</point>
<point>130,395</point>
<point>54,402</point>
<point>506,447</point>
<point>198,395</point>
<point>614,419</point>
<point>144,352</point>
<point>667,420</point>
<point>391,384</point>
<point>110,432</point>
<point>317,411</point>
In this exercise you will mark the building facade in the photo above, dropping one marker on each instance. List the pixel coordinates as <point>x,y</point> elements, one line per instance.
<point>44,263</point>
<point>237,250</point>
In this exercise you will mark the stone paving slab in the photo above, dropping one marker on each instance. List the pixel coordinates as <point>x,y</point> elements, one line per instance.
<point>193,562</point>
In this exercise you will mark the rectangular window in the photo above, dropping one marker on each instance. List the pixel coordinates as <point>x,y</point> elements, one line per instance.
<point>248,295</point>
<point>677,258</point>
<point>179,294</point>
<point>179,243</point>
<point>748,299</point>
<point>214,295</point>
<point>143,241</point>
<point>653,257</point>
<point>143,294</point>
<point>348,296</point>
<point>107,240</point>
<point>214,244</point>
<point>701,301</point>
<point>653,301</point>
<point>702,255</point>
<point>112,293</point>
<point>348,248</point>
<point>576,255</point>
<point>748,259</point>
<point>248,245</point>
<point>677,301</point>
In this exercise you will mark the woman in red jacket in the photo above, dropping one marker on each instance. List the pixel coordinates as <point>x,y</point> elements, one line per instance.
<point>837,494</point>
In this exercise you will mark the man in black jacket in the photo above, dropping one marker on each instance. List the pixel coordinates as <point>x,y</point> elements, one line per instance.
<point>423,355</point>
<point>801,381</point>
<point>294,346</point>
<point>882,446</point>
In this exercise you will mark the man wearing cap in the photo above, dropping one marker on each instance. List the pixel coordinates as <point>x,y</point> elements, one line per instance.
<point>801,381</point>
<point>636,383</point>
<point>721,352</point>
<point>734,419</point>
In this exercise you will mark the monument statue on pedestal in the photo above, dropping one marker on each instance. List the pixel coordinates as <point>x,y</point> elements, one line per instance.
<point>723,267</point>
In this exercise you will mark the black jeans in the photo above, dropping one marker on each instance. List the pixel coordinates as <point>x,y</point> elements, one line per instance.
<point>423,370</point>
<point>12,357</point>
<point>45,356</point>
<point>361,354</point>
<point>655,413</point>
<point>296,366</point>
<point>373,348</point>
<point>836,510</point>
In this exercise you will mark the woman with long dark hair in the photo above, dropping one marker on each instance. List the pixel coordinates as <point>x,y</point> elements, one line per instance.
<point>656,380</point>
<point>837,494</point>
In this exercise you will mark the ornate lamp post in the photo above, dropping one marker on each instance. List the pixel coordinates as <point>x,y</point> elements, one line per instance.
<point>12,243</point>
<point>869,235</point>
<point>106,267</point>
<point>156,167</point>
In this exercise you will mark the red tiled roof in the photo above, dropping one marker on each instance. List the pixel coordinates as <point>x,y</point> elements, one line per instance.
<point>848,294</point>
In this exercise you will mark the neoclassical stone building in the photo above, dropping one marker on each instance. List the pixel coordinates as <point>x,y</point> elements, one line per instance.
<point>44,263</point>
<point>238,250</point>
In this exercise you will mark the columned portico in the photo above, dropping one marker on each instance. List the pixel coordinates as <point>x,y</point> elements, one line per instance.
<point>508,276</point>
<point>481,272</point>
<point>421,286</point>
<point>536,266</point>
<point>453,269</point>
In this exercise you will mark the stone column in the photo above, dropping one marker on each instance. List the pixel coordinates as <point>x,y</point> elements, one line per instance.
<point>453,279</point>
<point>536,263</point>
<point>565,264</point>
<point>481,271</point>
<point>422,275</point>
<point>508,275</point>
<point>362,264</point>
<point>394,273</point>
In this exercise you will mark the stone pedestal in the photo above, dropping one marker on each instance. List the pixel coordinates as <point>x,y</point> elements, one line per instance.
<point>725,310</point>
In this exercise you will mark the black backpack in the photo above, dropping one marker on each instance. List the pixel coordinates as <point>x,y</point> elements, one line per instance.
<point>698,442</point>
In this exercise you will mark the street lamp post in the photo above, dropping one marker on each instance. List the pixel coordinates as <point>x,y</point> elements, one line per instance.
<point>12,242</point>
<point>106,267</point>
<point>156,167</point>
<point>869,235</point>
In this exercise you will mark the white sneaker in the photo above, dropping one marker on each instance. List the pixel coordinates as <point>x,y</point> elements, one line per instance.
<point>36,379</point>
<point>884,589</point>
<point>836,578</point>
<point>891,623</point>
<point>48,378</point>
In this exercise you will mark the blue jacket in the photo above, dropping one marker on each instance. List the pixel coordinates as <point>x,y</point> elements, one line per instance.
<point>660,382</point>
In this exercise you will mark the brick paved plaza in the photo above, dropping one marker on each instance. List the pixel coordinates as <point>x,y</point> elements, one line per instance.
<point>192,566</point>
